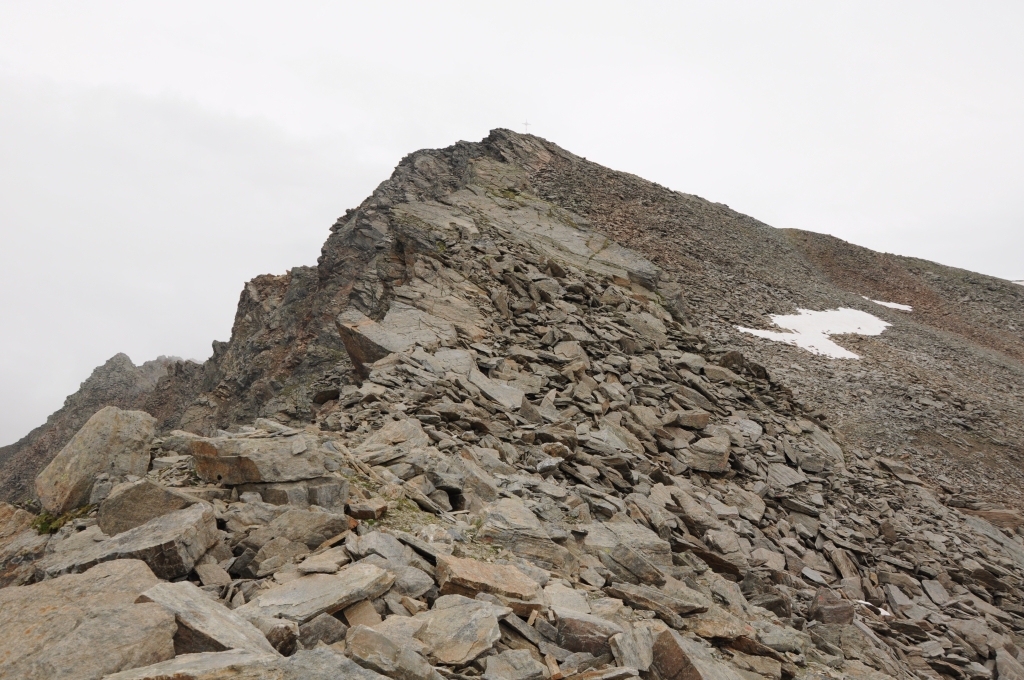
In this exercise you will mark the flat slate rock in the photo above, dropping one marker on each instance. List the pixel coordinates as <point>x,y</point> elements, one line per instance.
<point>170,544</point>
<point>83,626</point>
<point>305,598</point>
<point>210,624</point>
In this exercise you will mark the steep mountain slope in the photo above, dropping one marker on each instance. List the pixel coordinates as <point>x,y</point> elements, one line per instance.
<point>941,384</point>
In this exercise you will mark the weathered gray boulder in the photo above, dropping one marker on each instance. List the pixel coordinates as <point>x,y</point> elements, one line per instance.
<point>370,649</point>
<point>316,664</point>
<point>112,441</point>
<point>307,597</point>
<point>133,504</point>
<point>83,626</point>
<point>579,632</point>
<point>205,625</point>
<point>515,664</point>
<point>310,527</point>
<point>169,544</point>
<point>458,630</point>
<point>251,460</point>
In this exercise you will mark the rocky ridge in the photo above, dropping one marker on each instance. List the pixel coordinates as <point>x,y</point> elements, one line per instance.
<point>502,445</point>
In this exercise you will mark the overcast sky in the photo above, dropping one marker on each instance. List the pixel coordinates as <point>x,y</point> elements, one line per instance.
<point>155,156</point>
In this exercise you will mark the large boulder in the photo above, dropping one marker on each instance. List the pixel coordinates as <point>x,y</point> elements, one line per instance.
<point>132,504</point>
<point>83,626</point>
<point>258,459</point>
<point>112,441</point>
<point>170,544</point>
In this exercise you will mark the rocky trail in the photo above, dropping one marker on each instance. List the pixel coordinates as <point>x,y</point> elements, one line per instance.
<point>493,436</point>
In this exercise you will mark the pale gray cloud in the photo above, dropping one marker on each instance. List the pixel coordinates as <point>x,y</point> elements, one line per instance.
<point>155,157</point>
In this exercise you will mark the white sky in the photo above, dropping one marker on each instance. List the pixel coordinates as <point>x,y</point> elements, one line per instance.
<point>154,156</point>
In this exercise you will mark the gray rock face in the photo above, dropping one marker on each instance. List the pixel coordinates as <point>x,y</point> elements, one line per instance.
<point>170,544</point>
<point>83,626</point>
<point>112,441</point>
<point>134,503</point>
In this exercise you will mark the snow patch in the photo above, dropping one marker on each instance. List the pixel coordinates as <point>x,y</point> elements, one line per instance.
<point>810,330</point>
<point>892,305</point>
<point>1020,282</point>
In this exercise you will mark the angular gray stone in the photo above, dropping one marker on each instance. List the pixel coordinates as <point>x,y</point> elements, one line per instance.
<point>83,626</point>
<point>458,630</point>
<point>208,625</point>
<point>133,504</point>
<point>170,544</point>
<point>579,632</point>
<point>307,597</point>
<point>324,628</point>
<point>112,441</point>
<point>515,664</point>
<point>251,460</point>
<point>372,650</point>
<point>309,527</point>
<point>675,656</point>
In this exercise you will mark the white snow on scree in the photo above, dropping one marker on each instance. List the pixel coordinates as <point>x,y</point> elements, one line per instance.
<point>892,305</point>
<point>811,330</point>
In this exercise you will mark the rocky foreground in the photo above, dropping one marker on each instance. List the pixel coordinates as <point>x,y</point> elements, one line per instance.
<point>537,469</point>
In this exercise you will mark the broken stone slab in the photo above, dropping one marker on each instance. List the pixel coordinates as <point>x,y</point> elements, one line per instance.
<point>212,575</point>
<point>308,526</point>
<point>329,493</point>
<point>83,626</point>
<point>403,327</point>
<point>374,651</point>
<point>635,647</point>
<point>708,455</point>
<point>675,656</point>
<point>309,596</point>
<point>372,508</point>
<point>460,576</point>
<point>315,664</point>
<point>170,544</point>
<point>669,608</point>
<point>605,536</point>
<point>458,630</point>
<point>133,504</point>
<point>827,607</point>
<point>564,597</point>
<point>205,625</point>
<point>323,628</point>
<point>498,391</point>
<point>782,476</point>
<point>579,632</point>
<point>695,419</point>
<point>112,441</point>
<point>236,461</point>
<point>514,664</point>
<point>509,523</point>
<point>327,562</point>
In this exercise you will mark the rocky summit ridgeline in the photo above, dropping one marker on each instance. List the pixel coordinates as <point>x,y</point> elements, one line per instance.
<point>509,428</point>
